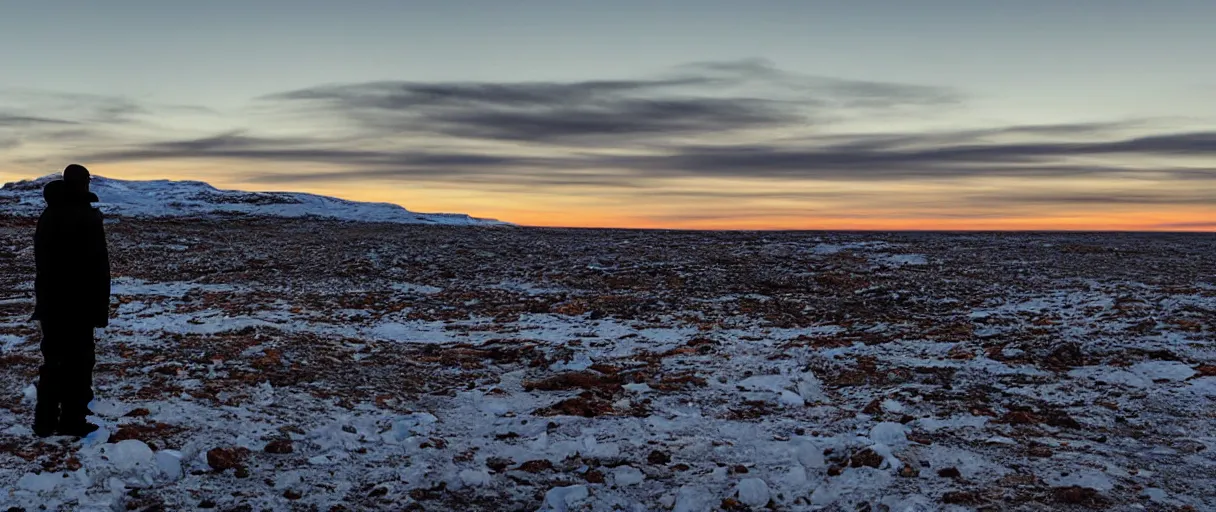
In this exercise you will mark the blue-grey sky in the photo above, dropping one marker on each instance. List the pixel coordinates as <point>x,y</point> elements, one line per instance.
<point>419,103</point>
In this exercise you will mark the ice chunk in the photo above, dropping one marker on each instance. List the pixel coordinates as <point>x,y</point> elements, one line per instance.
<point>627,475</point>
<point>889,433</point>
<point>753,492</point>
<point>791,399</point>
<point>892,406</point>
<point>130,456</point>
<point>287,480</point>
<point>637,388</point>
<point>795,478</point>
<point>475,478</point>
<point>1155,495</point>
<point>825,495</point>
<point>39,482</point>
<point>593,448</point>
<point>692,499</point>
<point>809,455</point>
<point>29,394</point>
<point>264,394</point>
<point>170,464</point>
<point>774,383</point>
<point>810,388</point>
<point>892,461</point>
<point>560,499</point>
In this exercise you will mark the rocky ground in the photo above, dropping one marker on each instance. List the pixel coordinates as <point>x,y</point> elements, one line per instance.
<point>310,365</point>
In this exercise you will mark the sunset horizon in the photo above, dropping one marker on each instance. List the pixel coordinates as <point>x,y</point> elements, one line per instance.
<point>708,116</point>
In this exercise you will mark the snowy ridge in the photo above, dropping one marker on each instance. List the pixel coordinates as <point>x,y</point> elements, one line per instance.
<point>168,198</point>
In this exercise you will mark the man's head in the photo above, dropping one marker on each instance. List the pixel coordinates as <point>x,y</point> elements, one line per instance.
<point>53,192</point>
<point>76,177</point>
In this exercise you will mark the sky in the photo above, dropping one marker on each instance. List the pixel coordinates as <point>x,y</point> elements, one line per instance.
<point>710,114</point>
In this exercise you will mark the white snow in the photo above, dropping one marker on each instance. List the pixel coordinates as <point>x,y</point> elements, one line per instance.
<point>167,198</point>
<point>40,482</point>
<point>1140,375</point>
<point>475,478</point>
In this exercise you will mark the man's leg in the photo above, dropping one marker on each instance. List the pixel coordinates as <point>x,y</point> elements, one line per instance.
<point>50,381</point>
<point>78,384</point>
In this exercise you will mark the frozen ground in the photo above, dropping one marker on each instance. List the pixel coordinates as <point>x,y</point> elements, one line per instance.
<point>308,365</point>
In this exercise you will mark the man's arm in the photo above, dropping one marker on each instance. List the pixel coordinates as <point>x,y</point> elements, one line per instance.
<point>102,252</point>
<point>42,266</point>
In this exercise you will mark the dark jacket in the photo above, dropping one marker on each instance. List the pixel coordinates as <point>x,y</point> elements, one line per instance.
<point>72,283</point>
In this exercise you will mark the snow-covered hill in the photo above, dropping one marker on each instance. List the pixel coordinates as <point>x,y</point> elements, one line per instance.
<point>167,198</point>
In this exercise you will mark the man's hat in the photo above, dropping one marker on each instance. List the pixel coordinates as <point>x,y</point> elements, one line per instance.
<point>76,173</point>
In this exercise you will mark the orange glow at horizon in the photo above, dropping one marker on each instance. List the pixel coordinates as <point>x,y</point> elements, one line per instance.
<point>882,207</point>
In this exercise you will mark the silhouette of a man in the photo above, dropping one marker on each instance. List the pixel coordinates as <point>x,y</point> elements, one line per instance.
<point>72,290</point>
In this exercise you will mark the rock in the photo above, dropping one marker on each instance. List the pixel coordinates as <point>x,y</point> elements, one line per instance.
<point>126,432</point>
<point>498,464</point>
<point>1061,419</point>
<point>594,476</point>
<point>949,473</point>
<point>221,459</point>
<point>536,466</point>
<point>835,470</point>
<point>1065,357</point>
<point>866,457</point>
<point>1039,450</point>
<point>279,447</point>
<point>873,408</point>
<point>753,492</point>
<point>1076,495</point>
<point>587,407</point>
<point>1020,418</point>
<point>241,472</point>
<point>207,503</point>
<point>292,494</point>
<point>733,505</point>
<point>575,380</point>
<point>137,413</point>
<point>962,498</point>
<point>658,458</point>
<point>908,471</point>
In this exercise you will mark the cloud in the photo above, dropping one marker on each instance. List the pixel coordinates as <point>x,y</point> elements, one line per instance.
<point>1189,225</point>
<point>744,121</point>
<point>1105,198</point>
<point>8,120</point>
<point>889,160</point>
<point>703,98</point>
